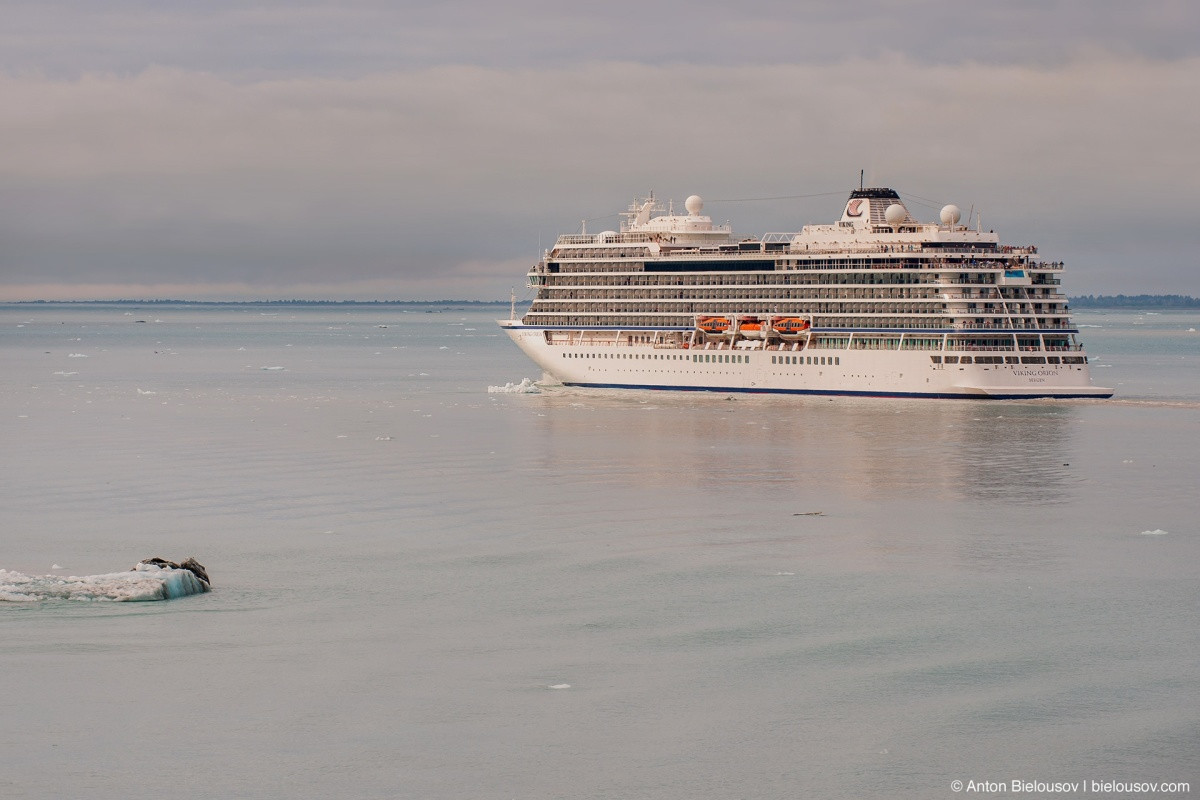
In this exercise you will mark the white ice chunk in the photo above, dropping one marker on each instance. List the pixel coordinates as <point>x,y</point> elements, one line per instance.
<point>144,582</point>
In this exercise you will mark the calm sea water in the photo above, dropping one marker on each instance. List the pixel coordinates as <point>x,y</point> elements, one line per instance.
<point>426,590</point>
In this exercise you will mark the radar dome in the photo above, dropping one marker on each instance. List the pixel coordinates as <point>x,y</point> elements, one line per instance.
<point>895,214</point>
<point>951,215</point>
<point>693,204</point>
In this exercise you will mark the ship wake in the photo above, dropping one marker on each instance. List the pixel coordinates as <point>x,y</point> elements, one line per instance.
<point>526,386</point>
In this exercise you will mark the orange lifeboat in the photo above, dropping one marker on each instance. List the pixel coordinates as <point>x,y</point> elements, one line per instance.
<point>751,327</point>
<point>790,326</point>
<point>713,325</point>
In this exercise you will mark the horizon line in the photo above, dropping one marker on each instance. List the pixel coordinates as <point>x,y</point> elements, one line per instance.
<point>293,301</point>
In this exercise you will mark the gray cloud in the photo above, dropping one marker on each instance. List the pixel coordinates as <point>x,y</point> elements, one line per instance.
<point>69,37</point>
<point>300,167</point>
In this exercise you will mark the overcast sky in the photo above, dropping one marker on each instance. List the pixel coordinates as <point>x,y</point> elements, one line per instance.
<point>343,150</point>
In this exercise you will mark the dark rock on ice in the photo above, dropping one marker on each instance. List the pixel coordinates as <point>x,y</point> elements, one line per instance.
<point>190,564</point>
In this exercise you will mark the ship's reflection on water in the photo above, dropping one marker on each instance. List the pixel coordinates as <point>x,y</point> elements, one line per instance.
<point>869,449</point>
<point>974,485</point>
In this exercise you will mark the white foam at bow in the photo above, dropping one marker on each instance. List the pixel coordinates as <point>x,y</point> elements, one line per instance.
<point>526,386</point>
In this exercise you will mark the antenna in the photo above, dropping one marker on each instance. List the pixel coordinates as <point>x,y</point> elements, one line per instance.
<point>512,309</point>
<point>860,178</point>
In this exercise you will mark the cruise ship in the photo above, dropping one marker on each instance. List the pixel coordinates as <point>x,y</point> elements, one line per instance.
<point>875,304</point>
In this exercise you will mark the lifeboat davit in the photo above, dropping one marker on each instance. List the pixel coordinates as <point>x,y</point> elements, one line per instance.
<point>713,326</point>
<point>790,327</point>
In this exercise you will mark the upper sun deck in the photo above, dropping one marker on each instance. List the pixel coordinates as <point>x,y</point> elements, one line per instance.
<point>641,226</point>
<point>874,220</point>
<point>692,227</point>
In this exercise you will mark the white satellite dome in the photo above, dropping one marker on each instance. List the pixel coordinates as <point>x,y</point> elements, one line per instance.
<point>693,204</point>
<point>895,214</point>
<point>951,215</point>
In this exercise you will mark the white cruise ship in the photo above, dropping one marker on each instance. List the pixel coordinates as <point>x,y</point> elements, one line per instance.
<point>875,304</point>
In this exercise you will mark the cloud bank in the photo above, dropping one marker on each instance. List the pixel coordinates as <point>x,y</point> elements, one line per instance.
<point>446,180</point>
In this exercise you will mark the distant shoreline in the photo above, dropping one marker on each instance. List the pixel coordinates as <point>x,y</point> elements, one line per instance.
<point>1169,301</point>
<point>1134,301</point>
<point>127,302</point>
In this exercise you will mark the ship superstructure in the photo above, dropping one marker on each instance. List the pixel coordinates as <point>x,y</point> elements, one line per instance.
<point>876,303</point>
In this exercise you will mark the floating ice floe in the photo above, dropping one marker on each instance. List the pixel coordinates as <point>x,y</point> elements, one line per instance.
<point>1155,532</point>
<point>526,386</point>
<point>148,580</point>
<point>272,369</point>
<point>76,355</point>
<point>560,686</point>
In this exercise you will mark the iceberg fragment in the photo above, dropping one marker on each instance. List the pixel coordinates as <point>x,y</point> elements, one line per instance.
<point>148,580</point>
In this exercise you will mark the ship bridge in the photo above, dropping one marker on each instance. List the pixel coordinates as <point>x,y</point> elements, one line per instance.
<point>680,230</point>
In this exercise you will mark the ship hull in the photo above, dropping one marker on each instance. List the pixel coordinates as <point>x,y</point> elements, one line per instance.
<point>788,368</point>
